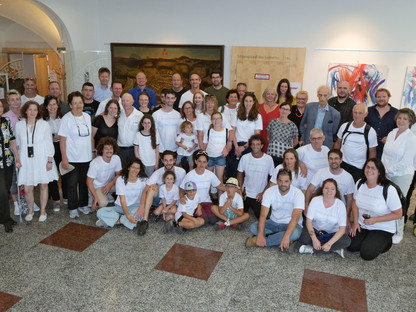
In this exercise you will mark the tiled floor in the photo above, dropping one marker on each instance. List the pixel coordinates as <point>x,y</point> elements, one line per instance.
<point>121,271</point>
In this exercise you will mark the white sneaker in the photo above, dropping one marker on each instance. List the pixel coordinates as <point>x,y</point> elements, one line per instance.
<point>101,223</point>
<point>340,252</point>
<point>29,217</point>
<point>65,201</point>
<point>306,249</point>
<point>42,218</point>
<point>16,209</point>
<point>85,210</point>
<point>35,207</point>
<point>73,214</point>
<point>397,238</point>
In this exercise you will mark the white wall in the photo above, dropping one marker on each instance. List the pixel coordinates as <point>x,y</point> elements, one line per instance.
<point>356,24</point>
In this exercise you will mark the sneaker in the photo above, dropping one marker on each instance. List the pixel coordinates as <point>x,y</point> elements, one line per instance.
<point>65,201</point>
<point>29,217</point>
<point>251,241</point>
<point>36,208</point>
<point>397,239</point>
<point>73,214</point>
<point>56,207</point>
<point>85,210</point>
<point>340,252</point>
<point>43,218</point>
<point>16,209</point>
<point>142,227</point>
<point>157,218</point>
<point>233,226</point>
<point>222,226</point>
<point>168,227</point>
<point>101,223</point>
<point>306,249</point>
<point>180,229</point>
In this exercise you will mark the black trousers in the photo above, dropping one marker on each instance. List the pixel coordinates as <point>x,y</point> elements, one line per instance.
<point>343,242</point>
<point>76,183</point>
<point>232,161</point>
<point>53,186</point>
<point>408,197</point>
<point>126,153</point>
<point>371,243</point>
<point>254,205</point>
<point>5,182</point>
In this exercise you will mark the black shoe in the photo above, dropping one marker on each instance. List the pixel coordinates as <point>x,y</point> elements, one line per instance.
<point>180,229</point>
<point>157,218</point>
<point>142,227</point>
<point>13,222</point>
<point>8,227</point>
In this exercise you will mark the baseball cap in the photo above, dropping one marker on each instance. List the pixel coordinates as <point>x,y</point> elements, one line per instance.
<point>190,186</point>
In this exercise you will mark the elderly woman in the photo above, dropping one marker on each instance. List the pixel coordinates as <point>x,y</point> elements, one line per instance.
<point>75,135</point>
<point>34,141</point>
<point>268,110</point>
<point>284,93</point>
<point>326,222</point>
<point>297,110</point>
<point>281,134</point>
<point>374,213</point>
<point>398,155</point>
<point>105,125</point>
<point>7,150</point>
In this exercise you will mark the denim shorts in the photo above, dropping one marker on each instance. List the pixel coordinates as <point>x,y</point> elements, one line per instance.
<point>216,161</point>
<point>188,158</point>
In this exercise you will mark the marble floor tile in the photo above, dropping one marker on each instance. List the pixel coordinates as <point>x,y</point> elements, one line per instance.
<point>7,301</point>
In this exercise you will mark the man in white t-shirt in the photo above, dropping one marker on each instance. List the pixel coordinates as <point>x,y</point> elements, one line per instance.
<point>30,92</point>
<point>253,174</point>
<point>315,154</point>
<point>344,180</point>
<point>116,89</point>
<point>195,82</point>
<point>357,141</point>
<point>285,224</point>
<point>167,120</point>
<point>151,191</point>
<point>128,126</point>
<point>103,173</point>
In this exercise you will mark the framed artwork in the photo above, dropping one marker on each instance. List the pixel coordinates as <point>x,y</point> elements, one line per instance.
<point>364,80</point>
<point>160,61</point>
<point>409,89</point>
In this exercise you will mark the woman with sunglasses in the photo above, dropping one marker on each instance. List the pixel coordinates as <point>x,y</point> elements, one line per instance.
<point>76,150</point>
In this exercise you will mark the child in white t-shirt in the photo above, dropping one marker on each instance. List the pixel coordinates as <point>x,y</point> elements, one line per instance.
<point>187,142</point>
<point>231,207</point>
<point>169,195</point>
<point>187,215</point>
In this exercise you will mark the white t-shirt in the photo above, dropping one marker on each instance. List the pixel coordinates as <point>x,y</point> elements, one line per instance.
<point>299,182</point>
<point>169,196</point>
<point>188,96</point>
<point>101,107</point>
<point>237,202</point>
<point>77,131</point>
<point>38,99</point>
<point>216,142</point>
<point>203,183</point>
<point>244,129</point>
<point>230,113</point>
<point>344,180</point>
<point>371,201</point>
<point>188,141</point>
<point>157,176</point>
<point>312,159</point>
<point>203,121</point>
<point>102,172</point>
<point>189,207</point>
<point>132,191</point>
<point>282,206</point>
<point>256,172</point>
<point>128,127</point>
<point>146,151</point>
<point>354,149</point>
<point>167,125</point>
<point>327,219</point>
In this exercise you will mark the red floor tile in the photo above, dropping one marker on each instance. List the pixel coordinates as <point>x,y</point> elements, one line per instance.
<point>189,261</point>
<point>74,236</point>
<point>333,291</point>
<point>7,301</point>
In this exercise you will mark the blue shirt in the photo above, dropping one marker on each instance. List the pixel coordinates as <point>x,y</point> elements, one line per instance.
<point>102,93</point>
<point>135,92</point>
<point>320,116</point>
<point>383,126</point>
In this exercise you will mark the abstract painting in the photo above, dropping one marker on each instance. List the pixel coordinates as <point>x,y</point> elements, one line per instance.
<point>409,89</point>
<point>364,80</point>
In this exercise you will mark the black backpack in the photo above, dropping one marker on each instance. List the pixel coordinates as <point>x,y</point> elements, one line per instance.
<point>366,131</point>
<point>385,190</point>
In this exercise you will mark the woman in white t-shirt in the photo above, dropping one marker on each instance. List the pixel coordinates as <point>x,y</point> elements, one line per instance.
<point>326,222</point>
<point>198,101</point>
<point>229,110</point>
<point>146,144</point>
<point>129,188</point>
<point>374,213</point>
<point>76,149</point>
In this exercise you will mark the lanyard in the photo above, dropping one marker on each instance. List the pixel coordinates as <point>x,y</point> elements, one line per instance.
<point>33,134</point>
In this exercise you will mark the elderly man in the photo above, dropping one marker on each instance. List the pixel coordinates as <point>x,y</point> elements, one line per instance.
<point>320,115</point>
<point>55,90</point>
<point>141,86</point>
<point>296,114</point>
<point>241,89</point>
<point>195,82</point>
<point>342,102</point>
<point>357,141</point>
<point>178,89</point>
<point>30,92</point>
<point>217,88</point>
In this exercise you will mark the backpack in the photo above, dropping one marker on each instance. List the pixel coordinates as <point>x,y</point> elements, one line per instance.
<point>366,131</point>
<point>385,190</point>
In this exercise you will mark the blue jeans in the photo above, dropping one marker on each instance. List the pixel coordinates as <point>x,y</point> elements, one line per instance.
<point>110,215</point>
<point>273,232</point>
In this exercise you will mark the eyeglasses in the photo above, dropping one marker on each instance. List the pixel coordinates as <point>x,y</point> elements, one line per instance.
<point>83,129</point>
<point>216,119</point>
<point>316,139</point>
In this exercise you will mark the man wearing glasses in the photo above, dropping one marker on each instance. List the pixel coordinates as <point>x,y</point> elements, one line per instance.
<point>217,88</point>
<point>30,92</point>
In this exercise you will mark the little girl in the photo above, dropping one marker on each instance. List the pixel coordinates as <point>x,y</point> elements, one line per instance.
<point>169,195</point>
<point>187,142</point>
<point>146,144</point>
<point>217,145</point>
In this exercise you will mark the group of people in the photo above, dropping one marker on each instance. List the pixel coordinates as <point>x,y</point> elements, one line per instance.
<point>306,171</point>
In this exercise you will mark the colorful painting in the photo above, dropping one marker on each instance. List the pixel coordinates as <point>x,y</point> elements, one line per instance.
<point>409,90</point>
<point>364,80</point>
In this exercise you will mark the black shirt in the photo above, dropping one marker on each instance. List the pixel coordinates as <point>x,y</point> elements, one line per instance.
<point>103,130</point>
